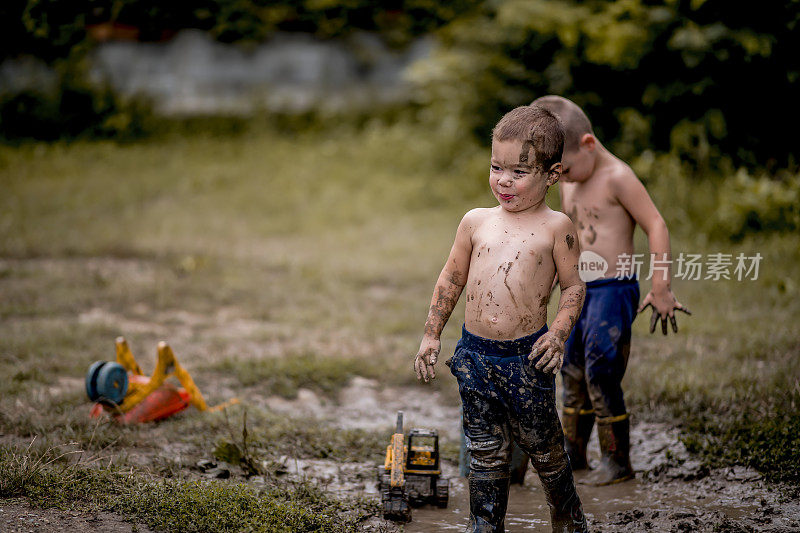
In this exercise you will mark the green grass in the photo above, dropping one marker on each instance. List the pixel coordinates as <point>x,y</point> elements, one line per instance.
<point>286,375</point>
<point>760,429</point>
<point>274,261</point>
<point>266,435</point>
<point>178,505</point>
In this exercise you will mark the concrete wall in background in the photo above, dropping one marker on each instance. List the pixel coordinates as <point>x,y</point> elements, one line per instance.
<point>192,74</point>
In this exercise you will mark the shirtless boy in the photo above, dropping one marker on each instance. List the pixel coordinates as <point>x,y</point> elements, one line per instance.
<point>506,258</point>
<point>606,200</point>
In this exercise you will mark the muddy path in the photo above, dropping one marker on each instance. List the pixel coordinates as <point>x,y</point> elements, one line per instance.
<point>671,492</point>
<point>17,516</point>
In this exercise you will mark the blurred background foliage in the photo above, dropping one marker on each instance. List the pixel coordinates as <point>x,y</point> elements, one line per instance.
<point>695,90</point>
<point>695,77</point>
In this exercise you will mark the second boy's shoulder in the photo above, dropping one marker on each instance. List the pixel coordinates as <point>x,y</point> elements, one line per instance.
<point>619,176</point>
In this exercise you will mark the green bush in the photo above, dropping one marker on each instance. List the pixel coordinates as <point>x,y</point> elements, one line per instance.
<point>751,204</point>
<point>73,108</point>
<point>51,29</point>
<point>698,73</point>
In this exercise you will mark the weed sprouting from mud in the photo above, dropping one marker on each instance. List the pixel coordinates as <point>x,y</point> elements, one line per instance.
<point>237,452</point>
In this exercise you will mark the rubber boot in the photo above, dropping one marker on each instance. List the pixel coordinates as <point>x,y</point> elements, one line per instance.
<point>566,511</point>
<point>488,500</point>
<point>577,425</point>
<point>615,446</point>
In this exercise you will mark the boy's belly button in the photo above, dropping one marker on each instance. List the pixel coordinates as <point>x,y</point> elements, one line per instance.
<point>494,320</point>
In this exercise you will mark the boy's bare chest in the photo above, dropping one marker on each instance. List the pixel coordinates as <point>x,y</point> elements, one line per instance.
<point>519,248</point>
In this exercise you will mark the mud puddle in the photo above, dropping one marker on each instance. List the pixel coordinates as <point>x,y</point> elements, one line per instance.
<point>672,492</point>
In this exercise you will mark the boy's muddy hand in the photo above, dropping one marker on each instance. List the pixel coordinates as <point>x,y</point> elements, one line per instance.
<point>551,346</point>
<point>426,358</point>
<point>664,306</point>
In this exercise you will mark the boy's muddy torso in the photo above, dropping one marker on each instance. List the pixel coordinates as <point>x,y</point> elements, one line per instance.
<point>510,272</point>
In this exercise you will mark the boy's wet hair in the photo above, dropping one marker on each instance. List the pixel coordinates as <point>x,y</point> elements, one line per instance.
<point>536,125</point>
<point>576,123</point>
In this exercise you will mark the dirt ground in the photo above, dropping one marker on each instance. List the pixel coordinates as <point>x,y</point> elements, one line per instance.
<point>16,516</point>
<point>671,492</point>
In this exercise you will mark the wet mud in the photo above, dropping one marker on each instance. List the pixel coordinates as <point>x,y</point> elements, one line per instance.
<point>671,492</point>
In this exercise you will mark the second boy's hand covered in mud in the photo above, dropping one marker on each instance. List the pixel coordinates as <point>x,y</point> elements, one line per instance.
<point>506,258</point>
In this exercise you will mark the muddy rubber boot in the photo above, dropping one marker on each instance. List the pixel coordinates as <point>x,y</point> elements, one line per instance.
<point>577,425</point>
<point>488,500</point>
<point>555,474</point>
<point>615,446</point>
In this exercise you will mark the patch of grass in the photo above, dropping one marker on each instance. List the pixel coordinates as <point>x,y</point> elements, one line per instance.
<point>181,505</point>
<point>321,441</point>
<point>730,376</point>
<point>24,469</point>
<point>269,435</point>
<point>284,376</point>
<point>760,429</point>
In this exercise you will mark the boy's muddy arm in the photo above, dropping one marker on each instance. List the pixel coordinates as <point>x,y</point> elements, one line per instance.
<point>633,196</point>
<point>660,298</point>
<point>551,344</point>
<point>566,251</point>
<point>445,296</point>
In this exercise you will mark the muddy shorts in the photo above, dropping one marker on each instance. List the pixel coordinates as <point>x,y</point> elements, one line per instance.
<point>596,353</point>
<point>504,398</point>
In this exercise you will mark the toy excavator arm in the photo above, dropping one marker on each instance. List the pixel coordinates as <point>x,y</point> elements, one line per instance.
<point>398,453</point>
<point>195,397</point>
<point>167,365</point>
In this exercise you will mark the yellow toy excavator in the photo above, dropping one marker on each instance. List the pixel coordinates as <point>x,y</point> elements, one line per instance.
<point>411,474</point>
<point>122,388</point>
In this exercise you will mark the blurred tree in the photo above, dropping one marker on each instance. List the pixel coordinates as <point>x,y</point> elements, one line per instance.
<point>61,33</point>
<point>702,78</point>
<point>49,29</point>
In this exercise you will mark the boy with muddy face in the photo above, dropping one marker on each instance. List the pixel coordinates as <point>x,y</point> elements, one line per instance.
<point>505,363</point>
<point>606,200</point>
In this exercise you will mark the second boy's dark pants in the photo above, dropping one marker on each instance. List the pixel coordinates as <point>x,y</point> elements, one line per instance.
<point>596,353</point>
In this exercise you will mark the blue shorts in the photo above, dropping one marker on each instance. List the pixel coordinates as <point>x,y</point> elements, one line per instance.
<point>596,353</point>
<point>505,398</point>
